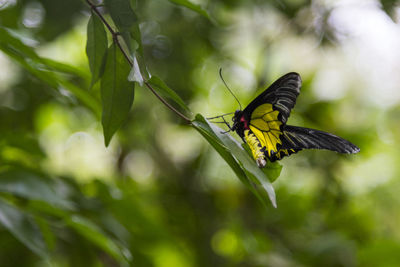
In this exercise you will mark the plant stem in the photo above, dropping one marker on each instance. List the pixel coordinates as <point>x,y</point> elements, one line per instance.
<point>115,35</point>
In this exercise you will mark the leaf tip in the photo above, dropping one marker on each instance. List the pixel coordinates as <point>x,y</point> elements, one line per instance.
<point>107,137</point>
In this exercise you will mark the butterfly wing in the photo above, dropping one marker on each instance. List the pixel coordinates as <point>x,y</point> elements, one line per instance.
<point>296,138</point>
<point>268,113</point>
<point>282,95</point>
<point>267,120</point>
<point>300,137</point>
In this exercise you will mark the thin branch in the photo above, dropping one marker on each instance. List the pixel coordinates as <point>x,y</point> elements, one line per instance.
<point>186,119</point>
<point>94,8</point>
<point>116,40</point>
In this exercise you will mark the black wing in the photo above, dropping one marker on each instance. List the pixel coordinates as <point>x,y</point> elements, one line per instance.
<point>298,138</point>
<point>282,94</point>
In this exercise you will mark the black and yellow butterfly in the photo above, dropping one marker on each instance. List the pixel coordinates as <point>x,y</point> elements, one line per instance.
<point>262,125</point>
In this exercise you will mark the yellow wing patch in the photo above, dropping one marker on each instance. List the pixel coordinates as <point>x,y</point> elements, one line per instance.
<point>265,125</point>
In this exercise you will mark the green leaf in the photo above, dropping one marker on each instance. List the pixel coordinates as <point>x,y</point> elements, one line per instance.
<point>117,92</point>
<point>37,66</point>
<point>191,6</point>
<point>238,159</point>
<point>136,45</point>
<point>121,13</point>
<point>31,186</point>
<point>11,39</point>
<point>94,234</point>
<point>202,126</point>
<point>47,233</point>
<point>96,47</point>
<point>126,20</point>
<point>165,91</point>
<point>23,227</point>
<point>65,68</point>
<point>273,170</point>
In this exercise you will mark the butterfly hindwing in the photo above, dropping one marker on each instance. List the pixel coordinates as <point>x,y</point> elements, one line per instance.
<point>305,138</point>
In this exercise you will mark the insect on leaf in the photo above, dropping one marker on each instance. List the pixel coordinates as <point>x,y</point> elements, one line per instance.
<point>238,159</point>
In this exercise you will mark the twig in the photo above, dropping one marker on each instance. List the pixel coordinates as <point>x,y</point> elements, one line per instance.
<point>186,119</point>
<point>115,35</point>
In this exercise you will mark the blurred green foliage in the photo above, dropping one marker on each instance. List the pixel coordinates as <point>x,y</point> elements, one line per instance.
<point>159,195</point>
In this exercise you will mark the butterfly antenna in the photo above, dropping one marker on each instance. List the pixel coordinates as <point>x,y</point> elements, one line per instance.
<point>227,87</point>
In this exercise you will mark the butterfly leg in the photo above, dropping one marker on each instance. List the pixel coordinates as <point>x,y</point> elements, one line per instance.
<point>227,124</point>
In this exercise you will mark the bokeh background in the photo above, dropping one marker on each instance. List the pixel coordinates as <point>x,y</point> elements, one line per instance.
<point>159,195</point>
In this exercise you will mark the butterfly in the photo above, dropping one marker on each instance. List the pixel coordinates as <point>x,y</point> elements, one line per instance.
<point>262,125</point>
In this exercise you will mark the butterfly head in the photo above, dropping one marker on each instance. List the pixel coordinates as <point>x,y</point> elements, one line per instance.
<point>239,122</point>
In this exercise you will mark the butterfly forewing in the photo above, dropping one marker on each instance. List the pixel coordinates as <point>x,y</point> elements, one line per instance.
<point>282,95</point>
<point>266,126</point>
<point>270,111</point>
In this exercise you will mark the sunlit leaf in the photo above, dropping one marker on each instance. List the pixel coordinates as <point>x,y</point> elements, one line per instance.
<point>23,227</point>
<point>96,47</point>
<point>238,158</point>
<point>117,92</point>
<point>165,91</point>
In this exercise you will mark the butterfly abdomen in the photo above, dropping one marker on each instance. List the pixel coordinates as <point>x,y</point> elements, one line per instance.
<point>256,148</point>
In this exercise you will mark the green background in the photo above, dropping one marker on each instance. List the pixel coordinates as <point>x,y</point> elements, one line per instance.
<point>159,195</point>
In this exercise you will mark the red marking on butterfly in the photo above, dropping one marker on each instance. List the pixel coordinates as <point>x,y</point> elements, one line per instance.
<point>242,119</point>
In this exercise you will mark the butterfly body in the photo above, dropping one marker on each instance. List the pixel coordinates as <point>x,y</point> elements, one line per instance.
<point>262,125</point>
